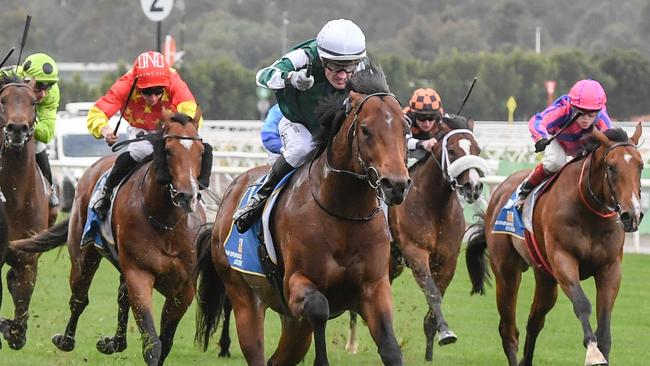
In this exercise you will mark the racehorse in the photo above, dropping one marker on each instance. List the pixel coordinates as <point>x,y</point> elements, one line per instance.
<point>428,227</point>
<point>579,224</point>
<point>156,216</point>
<point>27,203</point>
<point>329,229</point>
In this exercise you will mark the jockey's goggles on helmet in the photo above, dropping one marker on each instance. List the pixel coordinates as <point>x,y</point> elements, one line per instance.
<point>154,90</point>
<point>337,67</point>
<point>588,113</point>
<point>427,116</point>
<point>43,86</point>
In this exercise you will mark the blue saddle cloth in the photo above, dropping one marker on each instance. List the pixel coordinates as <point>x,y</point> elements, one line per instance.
<point>92,228</point>
<point>242,248</point>
<point>509,220</point>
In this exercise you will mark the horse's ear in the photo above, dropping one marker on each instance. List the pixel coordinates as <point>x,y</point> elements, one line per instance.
<point>167,114</point>
<point>601,138</point>
<point>197,116</point>
<point>355,99</point>
<point>637,134</point>
<point>470,124</point>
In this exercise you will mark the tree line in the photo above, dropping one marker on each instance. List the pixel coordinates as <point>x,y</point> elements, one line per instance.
<point>226,89</point>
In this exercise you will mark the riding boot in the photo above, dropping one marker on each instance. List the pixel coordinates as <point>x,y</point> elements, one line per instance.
<point>536,177</point>
<point>123,165</point>
<point>246,216</point>
<point>44,164</point>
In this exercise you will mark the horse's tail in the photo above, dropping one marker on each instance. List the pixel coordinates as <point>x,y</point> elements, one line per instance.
<point>211,293</point>
<point>45,240</point>
<point>476,257</point>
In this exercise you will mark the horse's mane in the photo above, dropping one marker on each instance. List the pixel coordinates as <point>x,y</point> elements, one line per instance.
<point>331,110</point>
<point>9,78</point>
<point>181,118</point>
<point>613,134</point>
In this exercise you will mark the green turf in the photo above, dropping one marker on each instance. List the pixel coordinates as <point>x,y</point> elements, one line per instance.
<point>474,319</point>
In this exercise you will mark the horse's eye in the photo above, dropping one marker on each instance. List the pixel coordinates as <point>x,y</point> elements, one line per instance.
<point>365,131</point>
<point>611,170</point>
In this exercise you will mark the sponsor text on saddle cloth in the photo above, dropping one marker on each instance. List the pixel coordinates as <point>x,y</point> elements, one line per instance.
<point>520,224</point>
<point>242,248</point>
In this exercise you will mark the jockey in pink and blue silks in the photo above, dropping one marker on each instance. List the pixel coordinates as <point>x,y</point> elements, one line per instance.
<point>583,109</point>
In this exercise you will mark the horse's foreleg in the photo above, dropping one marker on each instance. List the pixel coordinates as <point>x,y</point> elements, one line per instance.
<point>418,260</point>
<point>110,345</point>
<point>140,288</point>
<point>377,311</point>
<point>294,342</point>
<point>84,266</point>
<point>352,345</point>
<point>566,272</point>
<point>543,301</point>
<point>607,285</point>
<point>20,283</point>
<point>224,340</point>
<point>306,301</point>
<point>172,313</point>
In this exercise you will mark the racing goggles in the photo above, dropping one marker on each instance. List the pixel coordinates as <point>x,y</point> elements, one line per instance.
<point>43,86</point>
<point>336,67</point>
<point>154,90</point>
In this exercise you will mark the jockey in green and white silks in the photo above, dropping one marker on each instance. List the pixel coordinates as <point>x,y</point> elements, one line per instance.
<point>332,57</point>
<point>42,68</point>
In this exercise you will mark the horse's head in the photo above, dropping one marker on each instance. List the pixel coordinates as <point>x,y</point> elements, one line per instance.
<point>177,158</point>
<point>17,111</point>
<point>620,167</point>
<point>379,132</point>
<point>458,153</point>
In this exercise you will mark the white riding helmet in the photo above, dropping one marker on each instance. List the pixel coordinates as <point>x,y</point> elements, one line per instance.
<point>341,40</point>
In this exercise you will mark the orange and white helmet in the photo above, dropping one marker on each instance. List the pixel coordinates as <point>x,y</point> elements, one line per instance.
<point>151,69</point>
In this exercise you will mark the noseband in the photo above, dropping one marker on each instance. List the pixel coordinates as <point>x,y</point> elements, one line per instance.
<point>616,208</point>
<point>172,190</point>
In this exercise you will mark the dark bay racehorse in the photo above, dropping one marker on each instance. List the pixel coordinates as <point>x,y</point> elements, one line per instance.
<point>155,221</point>
<point>428,227</point>
<point>580,225</point>
<point>27,204</point>
<point>329,229</point>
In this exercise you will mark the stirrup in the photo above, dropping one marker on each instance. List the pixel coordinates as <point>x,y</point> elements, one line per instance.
<point>245,217</point>
<point>101,207</point>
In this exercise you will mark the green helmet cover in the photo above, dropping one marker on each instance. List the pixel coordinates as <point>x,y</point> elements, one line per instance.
<point>41,67</point>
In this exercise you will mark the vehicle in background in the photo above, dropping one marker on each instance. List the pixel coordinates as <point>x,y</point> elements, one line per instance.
<point>74,149</point>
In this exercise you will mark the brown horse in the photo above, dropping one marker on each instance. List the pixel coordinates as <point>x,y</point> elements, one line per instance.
<point>428,227</point>
<point>27,204</point>
<point>155,220</point>
<point>579,224</point>
<point>329,229</point>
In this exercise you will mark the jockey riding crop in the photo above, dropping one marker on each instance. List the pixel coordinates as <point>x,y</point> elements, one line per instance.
<point>7,56</point>
<point>28,21</point>
<point>469,91</point>
<point>548,141</point>
<point>126,104</point>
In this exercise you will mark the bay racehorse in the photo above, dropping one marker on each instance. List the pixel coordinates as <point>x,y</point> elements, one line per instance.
<point>156,217</point>
<point>579,224</point>
<point>27,203</point>
<point>330,231</point>
<point>428,227</point>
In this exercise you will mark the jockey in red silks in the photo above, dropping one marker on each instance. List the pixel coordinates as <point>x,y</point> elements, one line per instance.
<point>157,86</point>
<point>582,109</point>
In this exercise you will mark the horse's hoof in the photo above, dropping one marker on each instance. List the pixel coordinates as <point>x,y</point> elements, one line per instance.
<point>63,342</point>
<point>594,357</point>
<point>17,343</point>
<point>13,334</point>
<point>224,354</point>
<point>447,337</point>
<point>110,345</point>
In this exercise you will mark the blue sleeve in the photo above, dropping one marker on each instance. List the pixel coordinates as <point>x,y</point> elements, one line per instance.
<point>270,132</point>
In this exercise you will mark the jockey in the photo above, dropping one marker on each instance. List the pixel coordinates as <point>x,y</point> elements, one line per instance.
<point>425,109</point>
<point>333,56</point>
<point>157,86</point>
<point>586,100</point>
<point>43,69</point>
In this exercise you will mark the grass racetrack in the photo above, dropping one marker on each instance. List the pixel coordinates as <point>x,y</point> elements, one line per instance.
<point>474,319</point>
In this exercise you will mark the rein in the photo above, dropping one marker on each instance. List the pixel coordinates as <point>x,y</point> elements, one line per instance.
<point>370,175</point>
<point>612,210</point>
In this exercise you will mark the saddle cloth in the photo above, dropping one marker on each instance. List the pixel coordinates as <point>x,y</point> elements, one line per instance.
<point>242,248</point>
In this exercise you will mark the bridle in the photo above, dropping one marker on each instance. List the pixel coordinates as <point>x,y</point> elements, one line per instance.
<point>172,190</point>
<point>370,174</point>
<point>6,141</point>
<point>451,170</point>
<point>612,209</point>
